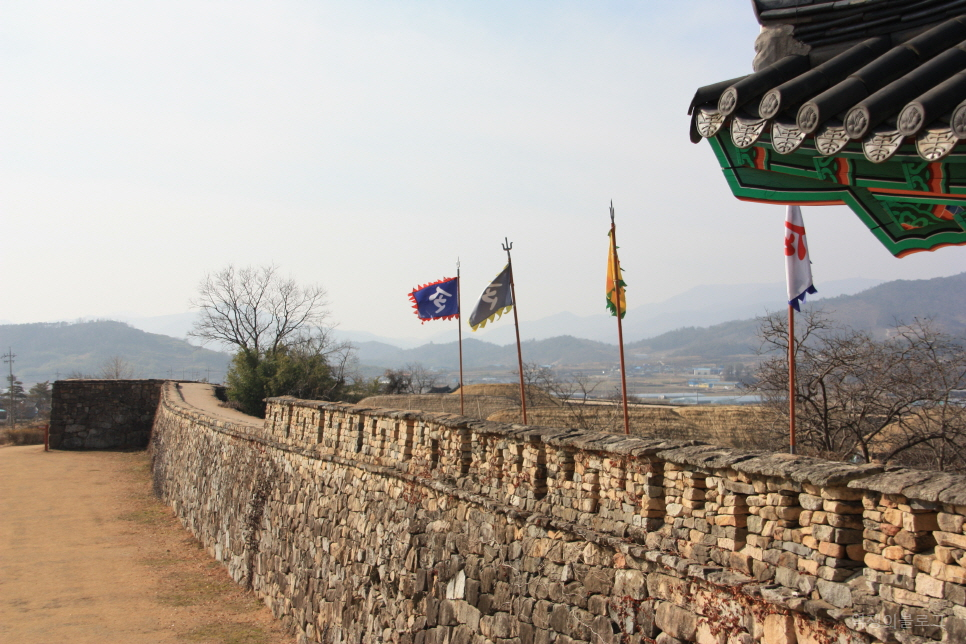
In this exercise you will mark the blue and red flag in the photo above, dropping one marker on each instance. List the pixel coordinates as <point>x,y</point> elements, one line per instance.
<point>437,301</point>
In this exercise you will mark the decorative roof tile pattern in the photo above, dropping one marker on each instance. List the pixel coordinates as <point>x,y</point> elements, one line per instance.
<point>876,95</point>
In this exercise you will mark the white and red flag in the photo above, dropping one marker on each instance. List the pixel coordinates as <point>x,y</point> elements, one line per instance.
<point>798,268</point>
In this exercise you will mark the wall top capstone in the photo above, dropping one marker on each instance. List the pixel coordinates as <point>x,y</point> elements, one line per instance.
<point>795,468</point>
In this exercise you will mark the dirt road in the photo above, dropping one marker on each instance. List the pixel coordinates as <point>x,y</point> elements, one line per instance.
<point>88,555</point>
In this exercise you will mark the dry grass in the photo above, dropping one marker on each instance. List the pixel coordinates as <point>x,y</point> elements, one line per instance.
<point>510,391</point>
<point>227,634</point>
<point>479,401</point>
<point>726,425</point>
<point>23,435</point>
<point>505,390</point>
<point>476,406</point>
<point>730,425</point>
<point>193,587</point>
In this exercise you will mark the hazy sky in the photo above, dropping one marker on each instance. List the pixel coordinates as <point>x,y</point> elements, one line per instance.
<point>366,145</point>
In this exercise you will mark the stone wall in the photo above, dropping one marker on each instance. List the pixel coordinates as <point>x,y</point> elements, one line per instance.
<point>103,414</point>
<point>369,525</point>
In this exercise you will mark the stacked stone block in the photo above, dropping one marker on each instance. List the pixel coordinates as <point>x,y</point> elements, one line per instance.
<point>487,464</point>
<point>562,500</point>
<point>645,492</point>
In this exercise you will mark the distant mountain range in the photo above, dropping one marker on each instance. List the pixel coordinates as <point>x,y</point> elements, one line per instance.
<point>877,310</point>
<point>477,354</point>
<point>46,351</point>
<point>700,306</point>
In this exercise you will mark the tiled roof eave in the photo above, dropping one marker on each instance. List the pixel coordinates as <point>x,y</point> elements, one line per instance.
<point>907,151</point>
<point>930,144</point>
<point>878,94</point>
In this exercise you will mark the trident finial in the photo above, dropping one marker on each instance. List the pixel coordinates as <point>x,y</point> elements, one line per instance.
<point>611,211</point>
<point>507,244</point>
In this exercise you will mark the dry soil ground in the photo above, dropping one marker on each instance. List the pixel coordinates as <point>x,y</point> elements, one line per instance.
<point>88,555</point>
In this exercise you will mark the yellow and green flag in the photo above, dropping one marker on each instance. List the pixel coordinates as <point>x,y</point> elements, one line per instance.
<point>615,280</point>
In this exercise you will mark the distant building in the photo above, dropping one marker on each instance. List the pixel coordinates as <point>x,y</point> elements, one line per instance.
<point>702,383</point>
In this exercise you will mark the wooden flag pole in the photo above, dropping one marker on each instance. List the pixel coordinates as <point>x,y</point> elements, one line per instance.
<point>459,326</point>
<point>516,323</point>
<point>791,379</point>
<point>620,328</point>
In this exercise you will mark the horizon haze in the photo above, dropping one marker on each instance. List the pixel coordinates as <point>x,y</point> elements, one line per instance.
<point>369,146</point>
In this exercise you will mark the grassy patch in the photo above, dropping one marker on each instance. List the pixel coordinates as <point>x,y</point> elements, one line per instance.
<point>150,514</point>
<point>191,589</point>
<point>160,562</point>
<point>227,634</point>
<point>141,465</point>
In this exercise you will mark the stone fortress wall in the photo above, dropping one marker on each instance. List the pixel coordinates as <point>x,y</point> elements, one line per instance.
<point>103,414</point>
<point>373,525</point>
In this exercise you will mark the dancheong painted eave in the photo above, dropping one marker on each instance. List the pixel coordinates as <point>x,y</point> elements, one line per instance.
<point>877,124</point>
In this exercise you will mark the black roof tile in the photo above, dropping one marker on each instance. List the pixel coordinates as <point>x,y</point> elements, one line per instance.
<point>792,93</point>
<point>821,23</point>
<point>858,94</point>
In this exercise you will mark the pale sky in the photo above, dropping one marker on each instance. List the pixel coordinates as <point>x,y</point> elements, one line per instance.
<point>367,145</point>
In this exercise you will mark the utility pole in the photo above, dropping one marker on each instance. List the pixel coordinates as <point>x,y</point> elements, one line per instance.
<point>8,358</point>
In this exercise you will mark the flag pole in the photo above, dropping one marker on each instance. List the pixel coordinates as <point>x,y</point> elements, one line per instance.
<point>507,245</point>
<point>791,379</point>
<point>459,326</point>
<point>620,328</point>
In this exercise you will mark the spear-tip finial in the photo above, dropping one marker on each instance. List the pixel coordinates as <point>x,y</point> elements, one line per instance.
<point>611,211</point>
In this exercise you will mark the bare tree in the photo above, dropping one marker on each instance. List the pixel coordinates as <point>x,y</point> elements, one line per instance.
<point>421,379</point>
<point>414,378</point>
<point>279,329</point>
<point>396,382</point>
<point>573,394</point>
<point>933,433</point>
<point>861,398</point>
<point>257,310</point>
<point>116,368</point>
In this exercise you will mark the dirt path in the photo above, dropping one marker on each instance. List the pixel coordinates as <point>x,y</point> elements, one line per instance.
<point>88,555</point>
<point>202,396</point>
